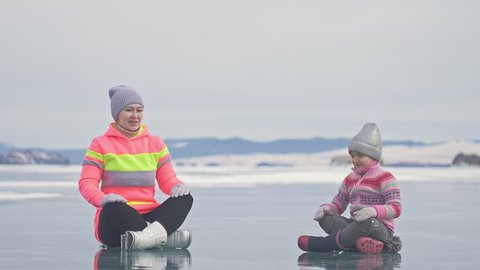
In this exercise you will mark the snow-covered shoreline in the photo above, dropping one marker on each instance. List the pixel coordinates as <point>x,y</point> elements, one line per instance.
<point>237,176</point>
<point>431,155</point>
<point>46,182</point>
<point>258,169</point>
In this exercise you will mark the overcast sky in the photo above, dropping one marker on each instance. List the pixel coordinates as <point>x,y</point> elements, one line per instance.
<point>259,70</point>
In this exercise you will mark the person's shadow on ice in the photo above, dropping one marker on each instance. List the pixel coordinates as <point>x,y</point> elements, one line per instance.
<point>348,260</point>
<point>115,258</point>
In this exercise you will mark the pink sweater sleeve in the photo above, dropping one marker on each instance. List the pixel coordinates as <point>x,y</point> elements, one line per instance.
<point>167,178</point>
<point>91,175</point>
<point>88,185</point>
<point>393,203</point>
<point>340,201</point>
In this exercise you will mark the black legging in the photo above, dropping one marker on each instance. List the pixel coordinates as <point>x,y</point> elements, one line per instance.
<point>116,218</point>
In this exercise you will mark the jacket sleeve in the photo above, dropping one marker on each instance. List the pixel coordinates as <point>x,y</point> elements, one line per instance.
<point>393,203</point>
<point>340,201</point>
<point>91,175</point>
<point>166,176</point>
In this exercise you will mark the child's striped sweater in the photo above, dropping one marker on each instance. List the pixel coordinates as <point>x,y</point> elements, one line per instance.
<point>376,188</point>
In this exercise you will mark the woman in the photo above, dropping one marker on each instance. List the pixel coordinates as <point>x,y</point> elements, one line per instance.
<point>118,178</point>
<point>375,203</point>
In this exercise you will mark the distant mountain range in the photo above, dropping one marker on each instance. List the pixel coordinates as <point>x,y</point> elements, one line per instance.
<point>186,148</point>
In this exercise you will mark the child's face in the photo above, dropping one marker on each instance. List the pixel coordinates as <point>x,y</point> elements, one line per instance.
<point>359,160</point>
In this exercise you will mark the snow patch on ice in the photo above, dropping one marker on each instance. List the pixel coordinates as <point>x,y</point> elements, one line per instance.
<point>40,168</point>
<point>245,177</point>
<point>38,184</point>
<point>11,196</point>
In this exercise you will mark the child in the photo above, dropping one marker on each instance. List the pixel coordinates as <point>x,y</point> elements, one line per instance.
<point>374,198</point>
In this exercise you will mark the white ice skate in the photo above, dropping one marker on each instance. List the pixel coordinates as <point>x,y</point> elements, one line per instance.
<point>153,236</point>
<point>179,239</point>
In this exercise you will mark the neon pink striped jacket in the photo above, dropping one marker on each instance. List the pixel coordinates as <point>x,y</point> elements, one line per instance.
<point>376,188</point>
<point>128,167</point>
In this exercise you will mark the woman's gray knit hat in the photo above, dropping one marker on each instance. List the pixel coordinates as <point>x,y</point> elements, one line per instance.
<point>121,96</point>
<point>367,142</point>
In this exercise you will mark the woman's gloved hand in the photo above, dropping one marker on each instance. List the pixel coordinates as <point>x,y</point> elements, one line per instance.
<point>179,189</point>
<point>112,197</point>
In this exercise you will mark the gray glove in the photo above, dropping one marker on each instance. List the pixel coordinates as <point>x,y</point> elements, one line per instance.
<point>179,189</point>
<point>321,212</point>
<point>364,214</point>
<point>112,197</point>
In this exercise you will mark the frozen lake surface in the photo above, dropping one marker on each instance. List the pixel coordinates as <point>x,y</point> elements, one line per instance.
<point>47,225</point>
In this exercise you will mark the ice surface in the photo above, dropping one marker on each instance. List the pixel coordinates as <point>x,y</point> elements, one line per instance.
<point>246,227</point>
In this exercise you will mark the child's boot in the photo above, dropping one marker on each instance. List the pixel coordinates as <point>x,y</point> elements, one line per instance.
<point>393,245</point>
<point>369,245</point>
<point>318,243</point>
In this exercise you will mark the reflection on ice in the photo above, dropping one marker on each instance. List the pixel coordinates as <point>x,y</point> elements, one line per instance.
<point>348,260</point>
<point>115,258</point>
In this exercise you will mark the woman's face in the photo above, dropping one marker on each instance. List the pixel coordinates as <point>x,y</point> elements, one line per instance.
<point>359,160</point>
<point>130,118</point>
